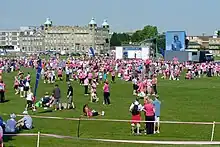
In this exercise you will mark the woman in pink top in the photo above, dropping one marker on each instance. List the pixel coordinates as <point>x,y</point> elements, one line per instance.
<point>90,113</point>
<point>106,93</point>
<point>149,115</point>
<point>90,76</point>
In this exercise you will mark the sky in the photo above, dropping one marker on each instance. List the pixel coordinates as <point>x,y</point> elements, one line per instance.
<point>193,16</point>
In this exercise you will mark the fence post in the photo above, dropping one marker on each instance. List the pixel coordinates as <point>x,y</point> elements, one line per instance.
<point>78,130</point>
<point>38,139</point>
<point>213,131</point>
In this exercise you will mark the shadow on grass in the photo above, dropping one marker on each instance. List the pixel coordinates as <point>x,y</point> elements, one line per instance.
<point>45,111</point>
<point>5,101</point>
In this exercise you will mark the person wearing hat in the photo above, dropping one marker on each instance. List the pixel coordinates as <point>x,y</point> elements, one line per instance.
<point>157,104</point>
<point>26,122</point>
<point>70,102</point>
<point>135,110</point>
<point>10,126</point>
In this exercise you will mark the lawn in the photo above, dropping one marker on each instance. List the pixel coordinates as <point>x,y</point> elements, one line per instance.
<point>196,100</point>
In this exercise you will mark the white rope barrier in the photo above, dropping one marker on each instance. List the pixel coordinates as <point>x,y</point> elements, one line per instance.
<point>123,141</point>
<point>117,120</point>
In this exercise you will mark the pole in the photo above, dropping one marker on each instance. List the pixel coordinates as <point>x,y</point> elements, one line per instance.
<point>38,139</point>
<point>93,37</point>
<point>213,131</point>
<point>156,49</point>
<point>78,130</point>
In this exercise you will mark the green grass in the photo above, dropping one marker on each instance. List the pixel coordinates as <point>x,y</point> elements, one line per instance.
<point>196,100</point>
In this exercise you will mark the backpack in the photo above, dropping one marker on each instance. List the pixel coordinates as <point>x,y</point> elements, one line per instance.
<point>135,110</point>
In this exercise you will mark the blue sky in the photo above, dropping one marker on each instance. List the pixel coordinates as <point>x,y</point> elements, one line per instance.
<point>194,16</point>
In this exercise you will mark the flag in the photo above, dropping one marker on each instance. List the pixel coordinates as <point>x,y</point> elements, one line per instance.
<point>91,52</point>
<point>39,68</point>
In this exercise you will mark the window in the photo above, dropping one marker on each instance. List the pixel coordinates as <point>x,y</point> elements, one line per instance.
<point>2,38</point>
<point>14,38</point>
<point>14,43</point>
<point>14,33</point>
<point>3,33</point>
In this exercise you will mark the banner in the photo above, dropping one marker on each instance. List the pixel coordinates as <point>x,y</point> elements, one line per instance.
<point>91,52</point>
<point>39,68</point>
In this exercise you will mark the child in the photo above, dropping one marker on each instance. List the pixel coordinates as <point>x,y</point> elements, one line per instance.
<point>94,97</point>
<point>16,85</point>
<point>135,86</point>
<point>30,103</point>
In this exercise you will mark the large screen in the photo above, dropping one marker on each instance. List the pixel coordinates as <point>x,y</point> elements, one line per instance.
<point>175,40</point>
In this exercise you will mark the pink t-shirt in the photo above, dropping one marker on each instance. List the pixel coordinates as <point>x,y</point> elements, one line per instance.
<point>106,88</point>
<point>90,75</point>
<point>149,108</point>
<point>86,81</point>
<point>89,113</point>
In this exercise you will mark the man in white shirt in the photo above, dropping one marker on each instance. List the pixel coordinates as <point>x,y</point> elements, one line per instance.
<point>136,109</point>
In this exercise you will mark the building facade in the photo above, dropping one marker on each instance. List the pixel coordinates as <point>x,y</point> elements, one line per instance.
<point>32,40</point>
<point>10,38</point>
<point>77,39</point>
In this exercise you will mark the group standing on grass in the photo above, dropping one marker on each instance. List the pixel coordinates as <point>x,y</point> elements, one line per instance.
<point>93,72</point>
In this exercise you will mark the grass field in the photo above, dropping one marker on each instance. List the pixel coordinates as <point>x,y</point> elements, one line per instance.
<point>196,100</point>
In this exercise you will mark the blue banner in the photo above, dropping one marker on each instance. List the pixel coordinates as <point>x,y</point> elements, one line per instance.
<point>162,52</point>
<point>39,68</point>
<point>91,51</point>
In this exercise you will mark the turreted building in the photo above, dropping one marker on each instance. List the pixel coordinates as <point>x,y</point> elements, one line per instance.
<point>68,39</point>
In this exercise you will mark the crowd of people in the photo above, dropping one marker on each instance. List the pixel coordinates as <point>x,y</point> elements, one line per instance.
<point>92,72</point>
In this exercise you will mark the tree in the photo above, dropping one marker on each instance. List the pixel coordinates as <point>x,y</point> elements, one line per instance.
<point>124,38</point>
<point>147,32</point>
<point>161,42</point>
<point>136,37</point>
<point>115,41</point>
<point>218,33</point>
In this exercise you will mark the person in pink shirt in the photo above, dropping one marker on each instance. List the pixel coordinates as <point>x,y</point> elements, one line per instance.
<point>90,76</point>
<point>149,115</point>
<point>90,113</point>
<point>106,93</point>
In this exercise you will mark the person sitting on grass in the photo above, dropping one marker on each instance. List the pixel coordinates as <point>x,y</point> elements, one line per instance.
<point>90,113</point>
<point>1,137</point>
<point>25,123</point>
<point>45,101</point>
<point>10,126</point>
